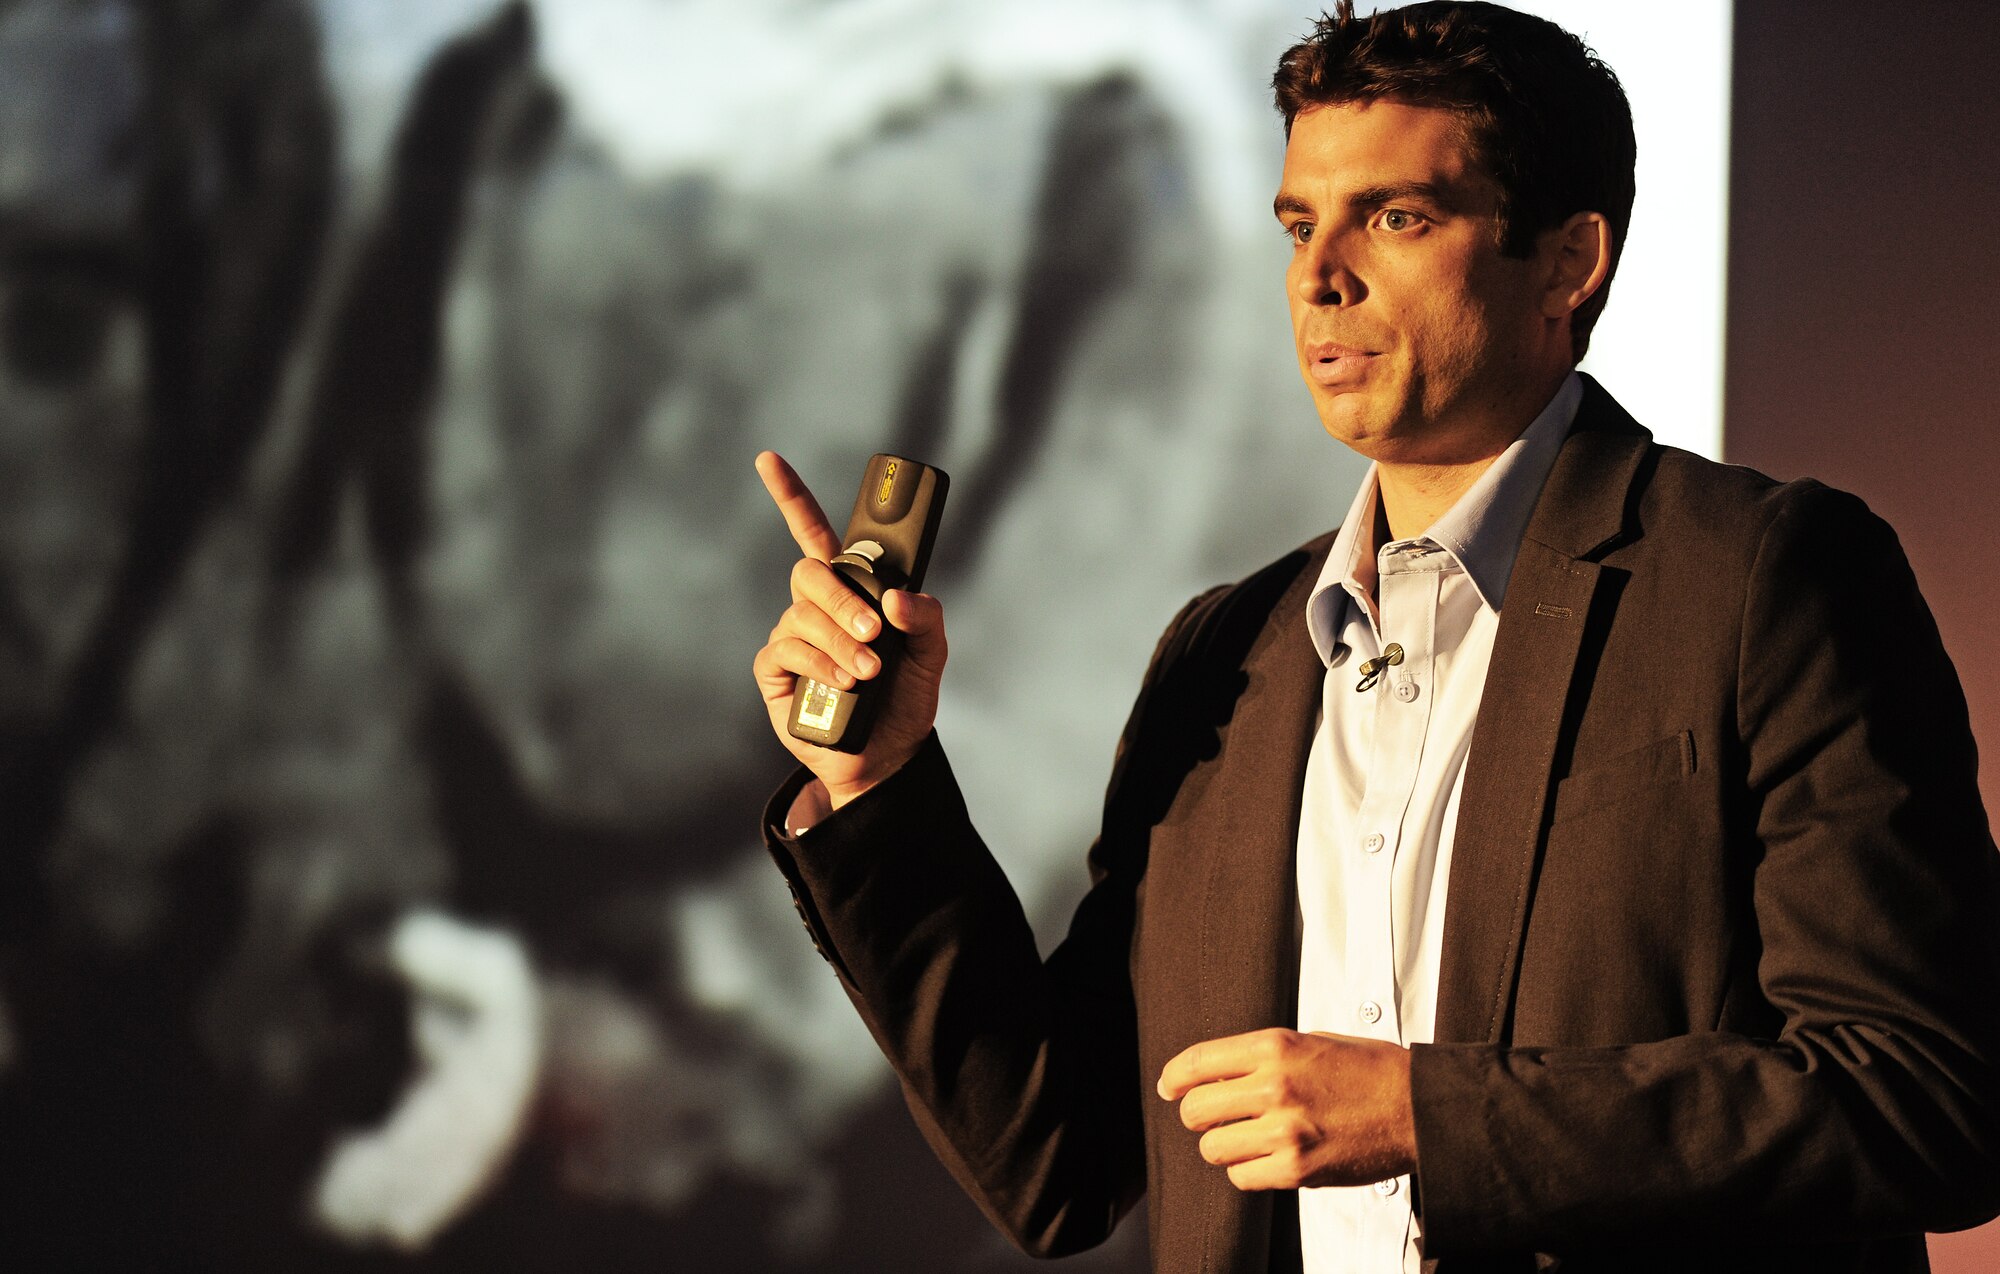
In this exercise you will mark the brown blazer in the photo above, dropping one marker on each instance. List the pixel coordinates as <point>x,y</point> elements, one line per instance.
<point>1720,954</point>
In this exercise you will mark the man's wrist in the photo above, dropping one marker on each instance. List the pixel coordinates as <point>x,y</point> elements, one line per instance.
<point>808,800</point>
<point>819,799</point>
<point>809,808</point>
<point>846,793</point>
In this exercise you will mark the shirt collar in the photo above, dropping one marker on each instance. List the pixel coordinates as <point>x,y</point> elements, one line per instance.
<point>1482,531</point>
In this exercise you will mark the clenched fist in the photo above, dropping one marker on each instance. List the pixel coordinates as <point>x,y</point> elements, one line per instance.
<point>1280,1110</point>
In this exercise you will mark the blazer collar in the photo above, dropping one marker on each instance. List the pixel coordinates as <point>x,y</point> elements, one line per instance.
<point>1585,505</point>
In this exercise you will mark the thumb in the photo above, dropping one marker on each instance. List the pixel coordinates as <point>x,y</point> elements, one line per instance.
<point>921,619</point>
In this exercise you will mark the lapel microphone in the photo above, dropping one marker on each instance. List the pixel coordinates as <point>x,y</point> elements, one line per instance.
<point>1372,669</point>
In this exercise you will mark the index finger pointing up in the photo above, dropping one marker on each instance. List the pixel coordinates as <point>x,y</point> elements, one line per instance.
<point>803,517</point>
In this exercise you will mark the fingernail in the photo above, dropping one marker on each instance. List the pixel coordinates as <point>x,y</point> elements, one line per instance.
<point>864,623</point>
<point>867,663</point>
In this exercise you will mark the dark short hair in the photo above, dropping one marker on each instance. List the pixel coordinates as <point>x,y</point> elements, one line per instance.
<point>1541,112</point>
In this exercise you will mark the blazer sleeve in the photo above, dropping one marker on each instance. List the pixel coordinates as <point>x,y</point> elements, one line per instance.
<point>1873,1108</point>
<point>1021,1074</point>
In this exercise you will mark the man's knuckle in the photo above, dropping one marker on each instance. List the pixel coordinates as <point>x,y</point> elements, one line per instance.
<point>1294,1137</point>
<point>790,652</point>
<point>1290,1161</point>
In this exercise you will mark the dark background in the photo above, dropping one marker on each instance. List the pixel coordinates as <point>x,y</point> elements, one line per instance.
<point>1864,255</point>
<point>373,635</point>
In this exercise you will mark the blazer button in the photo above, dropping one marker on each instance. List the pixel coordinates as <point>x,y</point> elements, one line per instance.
<point>805,921</point>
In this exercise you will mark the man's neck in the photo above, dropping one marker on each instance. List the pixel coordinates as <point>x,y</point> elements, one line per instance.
<point>1415,496</point>
<point>1415,493</point>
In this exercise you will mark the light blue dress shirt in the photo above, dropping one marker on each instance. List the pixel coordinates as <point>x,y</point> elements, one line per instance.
<point>1382,786</point>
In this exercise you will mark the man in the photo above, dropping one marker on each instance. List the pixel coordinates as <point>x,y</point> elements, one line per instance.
<point>1603,819</point>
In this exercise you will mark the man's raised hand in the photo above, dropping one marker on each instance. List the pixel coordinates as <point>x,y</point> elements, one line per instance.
<point>824,635</point>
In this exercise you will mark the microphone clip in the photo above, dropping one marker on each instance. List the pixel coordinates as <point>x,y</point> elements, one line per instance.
<point>1372,669</point>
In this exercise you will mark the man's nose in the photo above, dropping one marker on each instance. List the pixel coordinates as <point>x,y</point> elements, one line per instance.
<point>1324,277</point>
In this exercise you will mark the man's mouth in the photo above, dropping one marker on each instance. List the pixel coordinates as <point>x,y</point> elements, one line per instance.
<point>1331,364</point>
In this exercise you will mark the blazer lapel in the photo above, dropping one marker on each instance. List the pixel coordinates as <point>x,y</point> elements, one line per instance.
<point>1509,772</point>
<point>1249,936</point>
<point>1241,888</point>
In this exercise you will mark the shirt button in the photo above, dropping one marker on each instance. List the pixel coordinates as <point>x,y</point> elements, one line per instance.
<point>1371,1012</point>
<point>1406,690</point>
<point>1387,1188</point>
<point>1374,843</point>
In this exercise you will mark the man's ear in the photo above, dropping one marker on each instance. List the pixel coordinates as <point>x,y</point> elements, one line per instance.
<point>1579,261</point>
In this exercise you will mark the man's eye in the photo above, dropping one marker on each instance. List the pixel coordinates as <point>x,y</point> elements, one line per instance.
<point>1299,232</point>
<point>1397,220</point>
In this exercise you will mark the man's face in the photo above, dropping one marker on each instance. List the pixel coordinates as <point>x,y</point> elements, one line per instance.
<point>1418,340</point>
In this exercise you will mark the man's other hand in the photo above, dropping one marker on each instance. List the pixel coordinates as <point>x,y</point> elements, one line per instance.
<point>824,635</point>
<point>1280,1109</point>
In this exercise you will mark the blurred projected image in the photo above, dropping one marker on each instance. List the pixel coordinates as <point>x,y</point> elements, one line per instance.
<point>381,562</point>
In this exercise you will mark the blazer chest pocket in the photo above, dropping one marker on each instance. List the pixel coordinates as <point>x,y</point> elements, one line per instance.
<point>1625,776</point>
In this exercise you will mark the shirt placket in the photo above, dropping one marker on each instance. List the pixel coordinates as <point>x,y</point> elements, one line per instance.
<point>1407,594</point>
